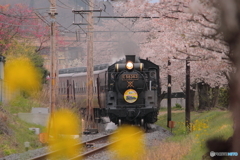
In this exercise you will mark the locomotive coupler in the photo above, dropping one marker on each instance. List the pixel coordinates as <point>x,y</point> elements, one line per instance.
<point>131,113</point>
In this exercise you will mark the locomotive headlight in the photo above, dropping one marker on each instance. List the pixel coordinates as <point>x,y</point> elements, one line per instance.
<point>129,65</point>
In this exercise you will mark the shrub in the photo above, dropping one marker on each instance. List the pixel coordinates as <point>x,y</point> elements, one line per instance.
<point>223,99</point>
<point>7,150</point>
<point>179,106</point>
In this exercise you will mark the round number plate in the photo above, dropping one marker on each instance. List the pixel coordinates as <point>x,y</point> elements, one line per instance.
<point>130,96</point>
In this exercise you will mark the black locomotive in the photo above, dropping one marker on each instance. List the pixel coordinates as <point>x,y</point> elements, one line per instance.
<point>133,91</point>
<point>127,91</point>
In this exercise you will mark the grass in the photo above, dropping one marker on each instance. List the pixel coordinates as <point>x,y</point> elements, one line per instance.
<point>20,104</point>
<point>18,130</point>
<point>162,109</point>
<point>204,126</point>
<point>19,133</point>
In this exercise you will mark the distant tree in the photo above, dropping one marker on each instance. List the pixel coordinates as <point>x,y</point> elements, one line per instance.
<point>20,22</point>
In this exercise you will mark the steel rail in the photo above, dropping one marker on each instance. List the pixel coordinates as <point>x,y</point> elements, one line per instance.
<point>44,156</point>
<point>86,154</point>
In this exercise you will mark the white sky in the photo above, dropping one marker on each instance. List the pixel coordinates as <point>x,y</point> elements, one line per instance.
<point>153,1</point>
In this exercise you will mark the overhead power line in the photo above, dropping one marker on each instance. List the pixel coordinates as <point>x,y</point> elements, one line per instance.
<point>42,18</point>
<point>18,25</point>
<point>92,5</point>
<point>69,7</point>
<point>18,16</point>
<point>135,17</point>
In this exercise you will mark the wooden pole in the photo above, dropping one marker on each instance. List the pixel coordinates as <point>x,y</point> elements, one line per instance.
<point>187,103</point>
<point>89,80</point>
<point>169,118</point>
<point>53,59</point>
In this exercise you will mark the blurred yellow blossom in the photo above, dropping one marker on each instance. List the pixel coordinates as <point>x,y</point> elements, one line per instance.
<point>20,74</point>
<point>129,147</point>
<point>64,126</point>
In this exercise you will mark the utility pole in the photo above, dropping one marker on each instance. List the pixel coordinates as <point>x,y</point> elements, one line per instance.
<point>89,80</point>
<point>187,103</point>
<point>53,59</point>
<point>169,118</point>
<point>89,122</point>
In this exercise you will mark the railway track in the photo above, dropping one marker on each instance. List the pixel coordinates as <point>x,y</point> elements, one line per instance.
<point>91,147</point>
<point>87,144</point>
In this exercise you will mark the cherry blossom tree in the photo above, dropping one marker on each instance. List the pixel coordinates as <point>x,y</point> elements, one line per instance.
<point>21,23</point>
<point>183,29</point>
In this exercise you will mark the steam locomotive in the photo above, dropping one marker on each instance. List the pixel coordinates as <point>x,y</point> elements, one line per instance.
<point>127,91</point>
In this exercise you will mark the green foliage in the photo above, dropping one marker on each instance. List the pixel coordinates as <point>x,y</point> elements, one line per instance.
<point>7,150</point>
<point>179,106</point>
<point>18,49</point>
<point>223,99</point>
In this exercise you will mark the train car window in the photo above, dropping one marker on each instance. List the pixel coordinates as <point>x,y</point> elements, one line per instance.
<point>101,89</point>
<point>60,86</point>
<point>75,86</point>
<point>63,87</point>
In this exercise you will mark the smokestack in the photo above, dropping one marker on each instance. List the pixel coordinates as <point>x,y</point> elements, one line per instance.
<point>130,58</point>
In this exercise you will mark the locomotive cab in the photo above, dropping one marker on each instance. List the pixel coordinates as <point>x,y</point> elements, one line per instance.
<point>132,93</point>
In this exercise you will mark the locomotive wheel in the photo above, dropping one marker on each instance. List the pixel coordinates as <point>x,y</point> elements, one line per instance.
<point>143,125</point>
<point>142,122</point>
<point>119,122</point>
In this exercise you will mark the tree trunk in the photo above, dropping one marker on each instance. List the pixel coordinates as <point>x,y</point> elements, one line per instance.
<point>192,98</point>
<point>214,97</point>
<point>196,98</point>
<point>204,100</point>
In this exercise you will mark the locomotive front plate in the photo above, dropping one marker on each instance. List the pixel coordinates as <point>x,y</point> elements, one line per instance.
<point>130,80</point>
<point>126,77</point>
<point>130,96</point>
